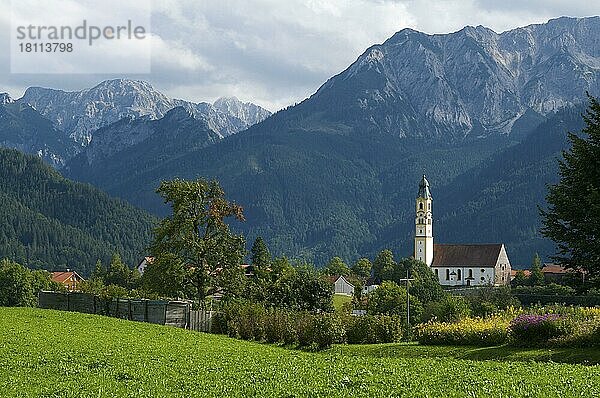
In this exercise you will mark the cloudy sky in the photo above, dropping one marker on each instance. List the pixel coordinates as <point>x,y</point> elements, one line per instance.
<point>275,52</point>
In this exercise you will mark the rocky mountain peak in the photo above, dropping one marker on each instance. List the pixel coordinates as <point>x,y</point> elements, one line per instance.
<point>474,82</point>
<point>5,99</point>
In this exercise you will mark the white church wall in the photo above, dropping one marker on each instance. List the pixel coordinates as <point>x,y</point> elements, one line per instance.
<point>482,276</point>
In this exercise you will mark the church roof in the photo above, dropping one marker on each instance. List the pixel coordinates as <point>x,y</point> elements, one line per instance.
<point>469,255</point>
<point>424,188</point>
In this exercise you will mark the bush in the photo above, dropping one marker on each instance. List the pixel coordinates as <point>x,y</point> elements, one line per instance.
<point>280,327</point>
<point>533,330</point>
<point>328,330</point>
<point>449,309</point>
<point>552,289</point>
<point>486,301</point>
<point>373,329</point>
<point>468,331</point>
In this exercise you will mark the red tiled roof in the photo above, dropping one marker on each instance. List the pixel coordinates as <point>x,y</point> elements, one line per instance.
<point>469,255</point>
<point>554,269</point>
<point>513,272</point>
<point>62,276</point>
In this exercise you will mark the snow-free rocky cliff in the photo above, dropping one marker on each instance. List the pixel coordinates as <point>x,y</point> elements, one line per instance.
<point>469,83</point>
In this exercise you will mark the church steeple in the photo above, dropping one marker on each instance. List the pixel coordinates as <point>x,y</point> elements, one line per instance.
<point>424,224</point>
<point>424,188</point>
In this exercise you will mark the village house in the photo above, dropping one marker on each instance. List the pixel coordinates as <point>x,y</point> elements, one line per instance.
<point>341,285</point>
<point>70,279</point>
<point>144,263</point>
<point>457,265</point>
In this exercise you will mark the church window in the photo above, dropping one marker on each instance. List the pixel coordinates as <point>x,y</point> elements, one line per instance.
<point>420,206</point>
<point>429,221</point>
<point>470,273</point>
<point>436,273</point>
<point>428,206</point>
<point>482,270</point>
<point>482,278</point>
<point>447,274</point>
<point>459,275</point>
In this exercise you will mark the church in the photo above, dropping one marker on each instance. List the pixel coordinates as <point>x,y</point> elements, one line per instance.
<point>457,265</point>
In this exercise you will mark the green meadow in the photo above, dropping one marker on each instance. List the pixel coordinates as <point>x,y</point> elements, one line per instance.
<point>46,353</point>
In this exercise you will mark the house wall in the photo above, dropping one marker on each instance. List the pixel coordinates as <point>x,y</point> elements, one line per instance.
<point>482,275</point>
<point>343,287</point>
<point>502,269</point>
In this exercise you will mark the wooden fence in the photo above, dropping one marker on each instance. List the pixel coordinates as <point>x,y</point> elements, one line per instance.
<point>162,312</point>
<point>201,321</point>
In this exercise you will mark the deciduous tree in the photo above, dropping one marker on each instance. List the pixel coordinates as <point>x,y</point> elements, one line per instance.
<point>194,247</point>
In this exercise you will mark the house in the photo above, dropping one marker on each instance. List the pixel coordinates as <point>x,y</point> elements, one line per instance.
<point>554,273</point>
<point>144,263</point>
<point>70,279</point>
<point>341,285</point>
<point>456,265</point>
<point>248,269</point>
<point>370,285</point>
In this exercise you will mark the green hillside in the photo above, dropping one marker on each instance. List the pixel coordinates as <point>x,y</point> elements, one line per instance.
<point>313,193</point>
<point>59,354</point>
<point>50,222</point>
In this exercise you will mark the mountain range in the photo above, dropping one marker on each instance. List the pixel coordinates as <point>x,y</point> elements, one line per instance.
<point>80,113</point>
<point>483,114</point>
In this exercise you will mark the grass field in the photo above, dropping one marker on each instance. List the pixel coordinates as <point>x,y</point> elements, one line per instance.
<point>339,300</point>
<point>47,353</point>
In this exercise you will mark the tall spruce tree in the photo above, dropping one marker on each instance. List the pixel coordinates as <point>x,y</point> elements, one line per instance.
<point>572,219</point>
<point>536,278</point>
<point>261,257</point>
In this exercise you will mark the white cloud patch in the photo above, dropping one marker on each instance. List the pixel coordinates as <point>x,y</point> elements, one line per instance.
<point>275,52</point>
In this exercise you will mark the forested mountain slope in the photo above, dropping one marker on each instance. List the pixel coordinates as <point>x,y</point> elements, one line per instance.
<point>51,222</point>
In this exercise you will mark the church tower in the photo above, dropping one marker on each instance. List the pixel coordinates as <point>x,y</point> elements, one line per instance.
<point>424,224</point>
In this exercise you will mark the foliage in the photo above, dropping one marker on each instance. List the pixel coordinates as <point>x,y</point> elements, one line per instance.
<point>373,329</point>
<point>52,223</point>
<point>362,267</point>
<point>536,278</point>
<point>425,285</point>
<point>336,266</point>
<point>531,329</point>
<point>384,265</point>
<point>520,278</point>
<point>117,273</point>
<point>574,202</point>
<point>448,309</point>
<point>300,288</point>
<point>390,299</point>
<point>19,286</point>
<point>468,331</point>
<point>203,254</point>
<point>551,289</point>
<point>260,255</point>
<point>487,300</point>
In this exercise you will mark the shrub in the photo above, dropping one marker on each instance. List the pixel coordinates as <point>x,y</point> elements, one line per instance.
<point>449,309</point>
<point>485,301</point>
<point>533,329</point>
<point>468,331</point>
<point>305,329</point>
<point>279,327</point>
<point>373,329</point>
<point>328,330</point>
